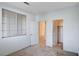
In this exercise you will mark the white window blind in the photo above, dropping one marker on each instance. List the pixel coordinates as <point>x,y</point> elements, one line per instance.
<point>21,22</point>
<point>13,24</point>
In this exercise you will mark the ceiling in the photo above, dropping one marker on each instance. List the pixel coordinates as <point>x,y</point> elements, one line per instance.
<point>41,7</point>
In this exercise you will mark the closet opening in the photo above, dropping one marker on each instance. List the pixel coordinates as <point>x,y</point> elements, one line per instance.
<point>58,33</point>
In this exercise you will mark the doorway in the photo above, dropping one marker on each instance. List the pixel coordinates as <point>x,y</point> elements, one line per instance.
<point>58,33</point>
<point>42,34</point>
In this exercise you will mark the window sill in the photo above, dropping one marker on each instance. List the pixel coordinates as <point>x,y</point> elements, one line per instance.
<point>14,36</point>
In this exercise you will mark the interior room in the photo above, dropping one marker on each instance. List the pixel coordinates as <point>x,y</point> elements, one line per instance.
<point>39,28</point>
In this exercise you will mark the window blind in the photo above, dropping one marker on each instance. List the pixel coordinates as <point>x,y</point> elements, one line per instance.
<point>13,24</point>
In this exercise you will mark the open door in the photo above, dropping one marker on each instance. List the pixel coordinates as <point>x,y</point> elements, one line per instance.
<point>58,30</point>
<point>42,34</point>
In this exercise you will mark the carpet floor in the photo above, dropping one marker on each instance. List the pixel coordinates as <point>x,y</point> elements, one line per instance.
<point>36,51</point>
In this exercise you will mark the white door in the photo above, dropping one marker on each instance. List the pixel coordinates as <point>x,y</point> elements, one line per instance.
<point>32,32</point>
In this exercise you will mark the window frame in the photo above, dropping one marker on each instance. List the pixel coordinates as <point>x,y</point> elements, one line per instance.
<point>16,25</point>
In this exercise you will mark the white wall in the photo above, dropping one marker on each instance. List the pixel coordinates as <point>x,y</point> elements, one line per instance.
<point>49,33</point>
<point>70,27</point>
<point>12,44</point>
<point>70,30</point>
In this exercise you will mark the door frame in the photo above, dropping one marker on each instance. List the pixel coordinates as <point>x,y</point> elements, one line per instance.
<point>54,35</point>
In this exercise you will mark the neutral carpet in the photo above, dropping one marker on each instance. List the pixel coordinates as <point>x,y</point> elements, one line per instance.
<point>36,51</point>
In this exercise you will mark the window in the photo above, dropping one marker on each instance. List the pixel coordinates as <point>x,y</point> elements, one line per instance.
<point>21,22</point>
<point>13,24</point>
